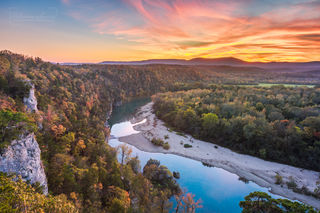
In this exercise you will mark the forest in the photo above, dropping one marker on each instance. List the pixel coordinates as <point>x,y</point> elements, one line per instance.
<point>82,170</point>
<point>73,103</point>
<point>278,123</point>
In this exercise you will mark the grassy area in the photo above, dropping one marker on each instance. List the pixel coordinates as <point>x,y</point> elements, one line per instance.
<point>160,142</point>
<point>271,84</point>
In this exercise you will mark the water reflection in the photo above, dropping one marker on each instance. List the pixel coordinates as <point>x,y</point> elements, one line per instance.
<point>124,129</point>
<point>219,190</point>
<point>126,111</point>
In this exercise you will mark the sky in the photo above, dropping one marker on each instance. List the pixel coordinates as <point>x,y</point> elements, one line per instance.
<point>124,30</point>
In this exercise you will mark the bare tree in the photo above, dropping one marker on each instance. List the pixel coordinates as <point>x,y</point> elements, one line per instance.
<point>186,203</point>
<point>125,152</point>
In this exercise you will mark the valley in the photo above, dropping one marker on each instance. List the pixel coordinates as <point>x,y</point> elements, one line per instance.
<point>249,168</point>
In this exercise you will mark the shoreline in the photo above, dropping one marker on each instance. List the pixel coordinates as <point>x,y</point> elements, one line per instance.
<point>251,168</point>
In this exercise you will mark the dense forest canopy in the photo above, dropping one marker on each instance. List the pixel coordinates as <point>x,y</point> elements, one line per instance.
<point>18,196</point>
<point>74,103</point>
<point>277,123</point>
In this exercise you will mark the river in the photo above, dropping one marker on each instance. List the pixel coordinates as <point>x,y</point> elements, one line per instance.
<point>219,190</point>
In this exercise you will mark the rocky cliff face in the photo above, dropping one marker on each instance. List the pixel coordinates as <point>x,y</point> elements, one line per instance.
<point>31,101</point>
<point>22,157</point>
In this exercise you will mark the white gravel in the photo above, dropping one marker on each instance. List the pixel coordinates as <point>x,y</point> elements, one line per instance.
<point>254,169</point>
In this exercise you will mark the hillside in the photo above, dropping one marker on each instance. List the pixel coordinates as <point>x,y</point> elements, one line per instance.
<point>73,105</point>
<point>227,61</point>
<point>277,123</point>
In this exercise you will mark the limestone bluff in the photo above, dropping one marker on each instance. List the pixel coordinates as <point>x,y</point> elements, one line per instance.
<point>23,156</point>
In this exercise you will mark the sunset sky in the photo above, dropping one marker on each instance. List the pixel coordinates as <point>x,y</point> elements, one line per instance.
<point>98,30</point>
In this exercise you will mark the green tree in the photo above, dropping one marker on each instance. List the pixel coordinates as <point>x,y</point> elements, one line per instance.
<point>12,125</point>
<point>210,122</point>
<point>18,196</point>
<point>261,202</point>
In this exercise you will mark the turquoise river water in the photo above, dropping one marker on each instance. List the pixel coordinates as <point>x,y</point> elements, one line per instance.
<point>219,190</point>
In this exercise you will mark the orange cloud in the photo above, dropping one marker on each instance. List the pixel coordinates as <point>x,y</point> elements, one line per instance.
<point>192,28</point>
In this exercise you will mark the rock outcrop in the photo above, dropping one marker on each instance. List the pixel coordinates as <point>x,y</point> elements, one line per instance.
<point>22,157</point>
<point>31,101</point>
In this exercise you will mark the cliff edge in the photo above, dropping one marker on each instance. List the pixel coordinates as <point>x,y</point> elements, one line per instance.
<point>23,156</point>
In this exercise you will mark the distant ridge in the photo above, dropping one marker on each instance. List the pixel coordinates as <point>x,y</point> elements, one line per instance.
<point>150,61</point>
<point>194,61</point>
<point>227,61</point>
<point>217,61</point>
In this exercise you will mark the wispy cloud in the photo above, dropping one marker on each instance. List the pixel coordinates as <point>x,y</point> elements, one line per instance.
<point>65,2</point>
<point>208,28</point>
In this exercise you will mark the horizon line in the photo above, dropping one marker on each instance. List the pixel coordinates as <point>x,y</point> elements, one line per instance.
<point>150,59</point>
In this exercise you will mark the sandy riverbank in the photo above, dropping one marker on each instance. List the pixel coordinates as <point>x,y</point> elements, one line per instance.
<point>251,168</point>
